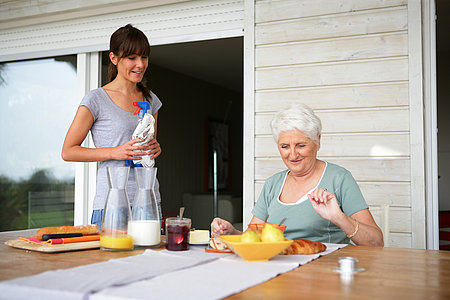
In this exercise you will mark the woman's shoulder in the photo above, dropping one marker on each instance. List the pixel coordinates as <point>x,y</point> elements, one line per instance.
<point>277,177</point>
<point>94,94</point>
<point>97,91</point>
<point>336,173</point>
<point>153,97</point>
<point>95,101</point>
<point>152,94</point>
<point>155,102</point>
<point>336,169</point>
<point>272,185</point>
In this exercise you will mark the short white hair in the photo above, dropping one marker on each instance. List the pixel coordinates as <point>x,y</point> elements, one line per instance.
<point>300,117</point>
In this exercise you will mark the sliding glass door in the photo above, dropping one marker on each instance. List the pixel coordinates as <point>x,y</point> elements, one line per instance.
<point>38,100</point>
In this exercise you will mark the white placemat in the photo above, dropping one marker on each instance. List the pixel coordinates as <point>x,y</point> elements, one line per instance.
<point>212,280</point>
<point>156,275</point>
<point>79,282</point>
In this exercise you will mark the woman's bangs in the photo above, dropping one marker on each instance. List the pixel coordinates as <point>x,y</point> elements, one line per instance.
<point>136,44</point>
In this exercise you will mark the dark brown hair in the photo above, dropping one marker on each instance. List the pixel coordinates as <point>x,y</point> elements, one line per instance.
<point>125,41</point>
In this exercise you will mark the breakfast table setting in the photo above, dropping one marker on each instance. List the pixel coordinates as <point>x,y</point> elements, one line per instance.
<point>195,268</point>
<point>341,271</point>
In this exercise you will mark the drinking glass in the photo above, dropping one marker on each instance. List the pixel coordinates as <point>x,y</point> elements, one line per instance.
<point>177,233</point>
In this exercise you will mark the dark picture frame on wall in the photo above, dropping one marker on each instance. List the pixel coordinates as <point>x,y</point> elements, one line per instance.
<point>218,139</point>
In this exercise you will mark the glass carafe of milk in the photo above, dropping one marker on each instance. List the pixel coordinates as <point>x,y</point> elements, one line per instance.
<point>146,225</point>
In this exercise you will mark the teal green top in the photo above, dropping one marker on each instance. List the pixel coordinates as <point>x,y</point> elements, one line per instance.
<point>302,220</point>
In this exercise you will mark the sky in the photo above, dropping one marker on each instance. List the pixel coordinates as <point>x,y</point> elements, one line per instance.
<point>38,100</point>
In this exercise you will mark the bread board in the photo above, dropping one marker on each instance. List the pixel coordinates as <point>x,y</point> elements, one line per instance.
<point>48,248</point>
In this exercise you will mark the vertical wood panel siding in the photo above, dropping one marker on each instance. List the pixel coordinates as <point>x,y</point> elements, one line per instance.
<point>348,60</point>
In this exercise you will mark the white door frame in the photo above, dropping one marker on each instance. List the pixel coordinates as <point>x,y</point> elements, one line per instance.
<point>248,185</point>
<point>430,120</point>
<point>88,78</point>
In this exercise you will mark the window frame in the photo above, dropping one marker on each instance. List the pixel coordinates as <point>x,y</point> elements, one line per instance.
<point>88,78</point>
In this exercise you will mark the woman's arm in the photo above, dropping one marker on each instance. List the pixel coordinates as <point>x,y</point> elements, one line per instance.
<point>73,151</point>
<point>256,220</point>
<point>360,226</point>
<point>220,226</point>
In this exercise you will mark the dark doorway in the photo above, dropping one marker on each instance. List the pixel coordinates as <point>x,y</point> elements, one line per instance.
<point>200,83</point>
<point>443,108</point>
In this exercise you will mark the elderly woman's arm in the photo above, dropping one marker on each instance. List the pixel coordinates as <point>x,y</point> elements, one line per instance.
<point>221,227</point>
<point>361,224</point>
<point>360,227</point>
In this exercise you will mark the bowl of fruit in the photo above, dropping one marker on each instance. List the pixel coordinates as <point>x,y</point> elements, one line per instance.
<point>255,245</point>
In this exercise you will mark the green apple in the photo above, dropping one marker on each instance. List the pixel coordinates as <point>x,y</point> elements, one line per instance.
<point>250,236</point>
<point>271,234</point>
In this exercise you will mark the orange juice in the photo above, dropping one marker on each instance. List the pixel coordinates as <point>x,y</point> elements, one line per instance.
<point>119,242</point>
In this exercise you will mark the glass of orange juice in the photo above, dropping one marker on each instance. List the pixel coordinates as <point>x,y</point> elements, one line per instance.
<point>117,213</point>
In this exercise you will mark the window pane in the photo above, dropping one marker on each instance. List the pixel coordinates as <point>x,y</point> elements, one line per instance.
<point>38,101</point>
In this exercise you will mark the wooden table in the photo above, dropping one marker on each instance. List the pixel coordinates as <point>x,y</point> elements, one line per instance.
<point>391,273</point>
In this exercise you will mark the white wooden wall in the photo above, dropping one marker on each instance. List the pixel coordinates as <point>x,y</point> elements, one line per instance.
<point>348,60</point>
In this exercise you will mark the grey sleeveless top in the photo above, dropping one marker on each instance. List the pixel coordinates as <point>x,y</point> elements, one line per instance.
<point>112,127</point>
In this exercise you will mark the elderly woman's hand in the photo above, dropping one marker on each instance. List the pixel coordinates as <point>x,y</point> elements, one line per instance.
<point>221,227</point>
<point>325,204</point>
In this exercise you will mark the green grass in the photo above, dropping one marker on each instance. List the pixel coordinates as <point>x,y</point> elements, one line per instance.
<point>52,218</point>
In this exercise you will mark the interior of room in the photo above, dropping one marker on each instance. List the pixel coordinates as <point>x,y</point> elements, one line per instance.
<point>443,108</point>
<point>201,87</point>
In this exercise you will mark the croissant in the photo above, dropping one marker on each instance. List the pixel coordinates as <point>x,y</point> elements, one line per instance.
<point>303,246</point>
<point>84,229</point>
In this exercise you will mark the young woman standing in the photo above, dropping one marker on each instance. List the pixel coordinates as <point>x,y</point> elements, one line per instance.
<point>108,112</point>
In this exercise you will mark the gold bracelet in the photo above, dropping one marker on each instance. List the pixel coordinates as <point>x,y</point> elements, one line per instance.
<point>356,230</point>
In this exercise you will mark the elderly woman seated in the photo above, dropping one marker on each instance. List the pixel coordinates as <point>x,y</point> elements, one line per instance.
<point>321,200</point>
